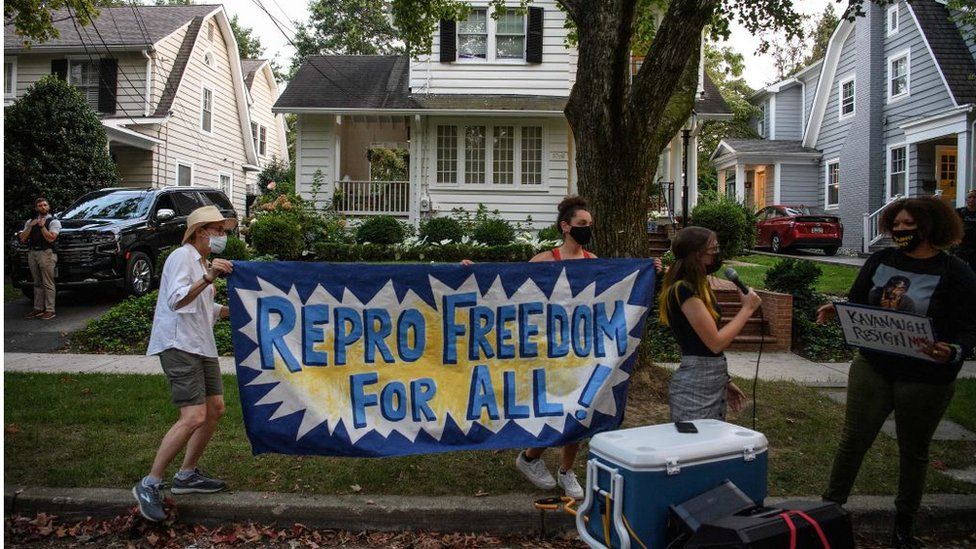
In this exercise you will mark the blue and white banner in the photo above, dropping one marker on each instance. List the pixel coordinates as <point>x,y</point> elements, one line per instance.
<point>397,359</point>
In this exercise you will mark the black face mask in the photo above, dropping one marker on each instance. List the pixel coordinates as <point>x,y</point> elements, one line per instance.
<point>582,235</point>
<point>713,266</point>
<point>906,240</point>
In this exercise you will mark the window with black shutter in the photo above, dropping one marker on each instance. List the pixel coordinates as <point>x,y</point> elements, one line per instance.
<point>108,85</point>
<point>59,68</point>
<point>533,46</point>
<point>448,41</point>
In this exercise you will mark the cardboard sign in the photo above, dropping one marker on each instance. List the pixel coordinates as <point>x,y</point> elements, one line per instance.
<point>886,330</point>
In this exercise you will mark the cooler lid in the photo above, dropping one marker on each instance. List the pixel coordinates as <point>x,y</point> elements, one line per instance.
<point>654,446</point>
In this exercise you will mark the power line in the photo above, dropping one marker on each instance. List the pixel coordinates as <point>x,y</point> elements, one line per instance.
<point>108,52</point>
<point>91,58</point>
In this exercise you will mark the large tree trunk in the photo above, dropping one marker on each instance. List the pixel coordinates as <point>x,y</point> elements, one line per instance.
<point>621,127</point>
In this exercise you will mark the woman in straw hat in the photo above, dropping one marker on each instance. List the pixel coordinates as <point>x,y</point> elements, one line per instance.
<point>183,337</point>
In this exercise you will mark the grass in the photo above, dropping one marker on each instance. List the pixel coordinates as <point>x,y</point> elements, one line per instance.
<point>102,430</point>
<point>11,293</point>
<point>962,409</point>
<point>835,280</point>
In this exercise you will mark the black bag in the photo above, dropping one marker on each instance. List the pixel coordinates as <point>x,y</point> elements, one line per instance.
<point>794,524</point>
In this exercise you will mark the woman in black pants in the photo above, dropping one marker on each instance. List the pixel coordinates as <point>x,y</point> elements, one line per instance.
<point>919,275</point>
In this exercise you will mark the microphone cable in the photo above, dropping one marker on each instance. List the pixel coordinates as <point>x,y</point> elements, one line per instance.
<point>755,379</point>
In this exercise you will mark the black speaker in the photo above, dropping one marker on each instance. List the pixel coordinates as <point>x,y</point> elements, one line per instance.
<point>768,528</point>
<point>724,500</point>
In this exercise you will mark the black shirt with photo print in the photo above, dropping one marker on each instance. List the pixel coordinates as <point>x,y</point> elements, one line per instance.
<point>941,287</point>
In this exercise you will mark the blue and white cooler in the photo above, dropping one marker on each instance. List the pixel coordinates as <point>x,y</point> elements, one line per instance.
<point>633,475</point>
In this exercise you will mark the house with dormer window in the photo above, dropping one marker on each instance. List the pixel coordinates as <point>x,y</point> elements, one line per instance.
<point>480,120</point>
<point>178,104</point>
<point>890,111</point>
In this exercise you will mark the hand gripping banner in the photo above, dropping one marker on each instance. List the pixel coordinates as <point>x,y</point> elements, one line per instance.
<point>382,360</point>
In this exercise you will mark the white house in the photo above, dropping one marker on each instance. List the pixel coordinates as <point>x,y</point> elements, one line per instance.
<point>169,87</point>
<point>481,117</point>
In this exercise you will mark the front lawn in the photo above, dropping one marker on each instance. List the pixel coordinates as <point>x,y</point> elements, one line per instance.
<point>962,409</point>
<point>835,280</point>
<point>102,430</point>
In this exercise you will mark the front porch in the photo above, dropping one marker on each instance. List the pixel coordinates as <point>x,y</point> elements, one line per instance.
<point>760,173</point>
<point>372,160</point>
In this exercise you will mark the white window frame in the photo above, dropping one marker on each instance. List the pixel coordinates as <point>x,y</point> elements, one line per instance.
<point>490,124</point>
<point>827,165</point>
<point>897,12</point>
<point>491,51</point>
<point>229,191</point>
<point>94,60</point>
<point>213,103</point>
<point>13,78</point>
<point>212,65</point>
<point>761,126</point>
<point>256,129</point>
<point>888,170</point>
<point>840,98</point>
<point>176,172</point>
<point>907,55</point>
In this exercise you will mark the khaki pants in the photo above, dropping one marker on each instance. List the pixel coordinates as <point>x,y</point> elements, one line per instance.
<point>41,264</point>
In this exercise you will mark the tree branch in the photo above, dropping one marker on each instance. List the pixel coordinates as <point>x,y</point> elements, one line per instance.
<point>572,8</point>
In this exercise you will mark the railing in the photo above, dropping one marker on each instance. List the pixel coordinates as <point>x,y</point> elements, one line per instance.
<point>662,205</point>
<point>372,197</point>
<point>872,234</point>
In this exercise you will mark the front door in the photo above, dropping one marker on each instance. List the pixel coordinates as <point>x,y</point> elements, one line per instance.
<point>945,172</point>
<point>760,190</point>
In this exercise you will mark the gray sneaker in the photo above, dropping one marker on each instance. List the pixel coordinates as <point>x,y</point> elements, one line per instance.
<point>197,483</point>
<point>150,501</point>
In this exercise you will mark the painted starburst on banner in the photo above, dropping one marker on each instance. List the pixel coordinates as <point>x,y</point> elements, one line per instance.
<point>322,394</point>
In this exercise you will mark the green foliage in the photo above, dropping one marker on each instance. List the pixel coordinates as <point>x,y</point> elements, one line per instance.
<point>54,146</point>
<point>236,250</point>
<point>34,21</point>
<point>821,343</point>
<point>661,343</point>
<point>727,218</point>
<point>280,177</point>
<point>277,234</point>
<point>439,229</point>
<point>381,229</point>
<point>551,232</point>
<point>448,253</point>
<point>798,278</point>
<point>128,323</point>
<point>494,232</point>
<point>388,164</point>
<point>248,46</point>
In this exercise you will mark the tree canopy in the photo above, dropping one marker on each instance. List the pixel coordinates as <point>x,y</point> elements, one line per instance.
<point>54,146</point>
<point>248,45</point>
<point>346,27</point>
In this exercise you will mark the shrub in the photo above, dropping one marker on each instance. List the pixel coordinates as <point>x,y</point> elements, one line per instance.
<point>278,235</point>
<point>54,146</point>
<point>661,343</point>
<point>236,250</point>
<point>382,229</point>
<point>279,173</point>
<point>551,232</point>
<point>494,232</point>
<point>439,229</point>
<point>448,253</point>
<point>727,218</point>
<point>798,278</point>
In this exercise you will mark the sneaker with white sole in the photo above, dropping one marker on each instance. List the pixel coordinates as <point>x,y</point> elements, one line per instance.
<point>150,501</point>
<point>197,483</point>
<point>569,483</point>
<point>535,471</point>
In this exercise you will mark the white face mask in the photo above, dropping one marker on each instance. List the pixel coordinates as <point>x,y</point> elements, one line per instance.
<point>218,243</point>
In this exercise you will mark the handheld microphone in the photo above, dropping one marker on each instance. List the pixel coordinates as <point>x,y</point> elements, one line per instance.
<point>734,278</point>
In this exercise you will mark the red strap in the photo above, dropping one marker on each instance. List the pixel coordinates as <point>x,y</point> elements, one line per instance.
<point>813,522</point>
<point>555,254</point>
<point>587,254</point>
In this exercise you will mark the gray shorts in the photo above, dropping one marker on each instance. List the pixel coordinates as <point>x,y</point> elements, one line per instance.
<point>192,378</point>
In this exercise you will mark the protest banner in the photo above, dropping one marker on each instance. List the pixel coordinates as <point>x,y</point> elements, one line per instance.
<point>886,330</point>
<point>398,359</point>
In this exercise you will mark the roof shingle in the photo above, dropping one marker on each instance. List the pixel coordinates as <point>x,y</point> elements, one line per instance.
<point>951,53</point>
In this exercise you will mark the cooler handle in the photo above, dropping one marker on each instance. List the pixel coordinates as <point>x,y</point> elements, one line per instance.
<point>593,466</point>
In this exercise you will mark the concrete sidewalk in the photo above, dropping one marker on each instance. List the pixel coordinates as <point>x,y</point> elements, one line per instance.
<point>773,366</point>
<point>497,514</point>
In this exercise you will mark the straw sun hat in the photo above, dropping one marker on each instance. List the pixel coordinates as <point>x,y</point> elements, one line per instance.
<point>204,216</point>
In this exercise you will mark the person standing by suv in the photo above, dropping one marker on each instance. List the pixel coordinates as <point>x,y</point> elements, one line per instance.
<point>183,337</point>
<point>39,235</point>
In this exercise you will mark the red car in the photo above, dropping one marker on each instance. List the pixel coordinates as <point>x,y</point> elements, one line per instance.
<point>783,227</point>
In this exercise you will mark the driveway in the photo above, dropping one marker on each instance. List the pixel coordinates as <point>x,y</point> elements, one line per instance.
<point>74,310</point>
<point>818,256</point>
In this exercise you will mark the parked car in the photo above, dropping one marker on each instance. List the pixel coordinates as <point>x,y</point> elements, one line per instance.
<point>792,227</point>
<point>112,237</point>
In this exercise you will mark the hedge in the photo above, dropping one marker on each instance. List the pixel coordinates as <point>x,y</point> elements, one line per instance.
<point>448,253</point>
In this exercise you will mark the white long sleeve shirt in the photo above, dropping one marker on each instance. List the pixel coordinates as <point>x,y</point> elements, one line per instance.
<point>189,328</point>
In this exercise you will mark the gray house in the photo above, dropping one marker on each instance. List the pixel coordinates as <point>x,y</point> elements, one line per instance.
<point>889,111</point>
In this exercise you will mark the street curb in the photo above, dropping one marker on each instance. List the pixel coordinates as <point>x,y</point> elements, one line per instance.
<point>513,514</point>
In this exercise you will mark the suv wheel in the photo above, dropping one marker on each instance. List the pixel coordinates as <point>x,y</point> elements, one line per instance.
<point>138,274</point>
<point>776,245</point>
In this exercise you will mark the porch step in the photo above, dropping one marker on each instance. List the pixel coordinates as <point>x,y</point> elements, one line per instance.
<point>660,240</point>
<point>877,246</point>
<point>757,329</point>
<point>751,343</point>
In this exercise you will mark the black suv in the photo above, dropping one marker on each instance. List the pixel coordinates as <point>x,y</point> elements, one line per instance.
<point>113,236</point>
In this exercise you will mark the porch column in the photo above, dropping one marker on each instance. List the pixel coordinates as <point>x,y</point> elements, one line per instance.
<point>416,159</point>
<point>740,182</point>
<point>693,172</point>
<point>777,183</point>
<point>722,178</point>
<point>964,167</point>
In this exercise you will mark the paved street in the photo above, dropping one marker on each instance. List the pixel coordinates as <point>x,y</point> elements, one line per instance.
<point>818,256</point>
<point>74,310</point>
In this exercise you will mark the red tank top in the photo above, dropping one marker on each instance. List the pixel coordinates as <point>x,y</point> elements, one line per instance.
<point>557,257</point>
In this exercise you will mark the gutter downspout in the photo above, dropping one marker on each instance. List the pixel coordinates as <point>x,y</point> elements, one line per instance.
<point>149,75</point>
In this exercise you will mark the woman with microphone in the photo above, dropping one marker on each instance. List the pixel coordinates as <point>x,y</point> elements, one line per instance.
<point>701,386</point>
